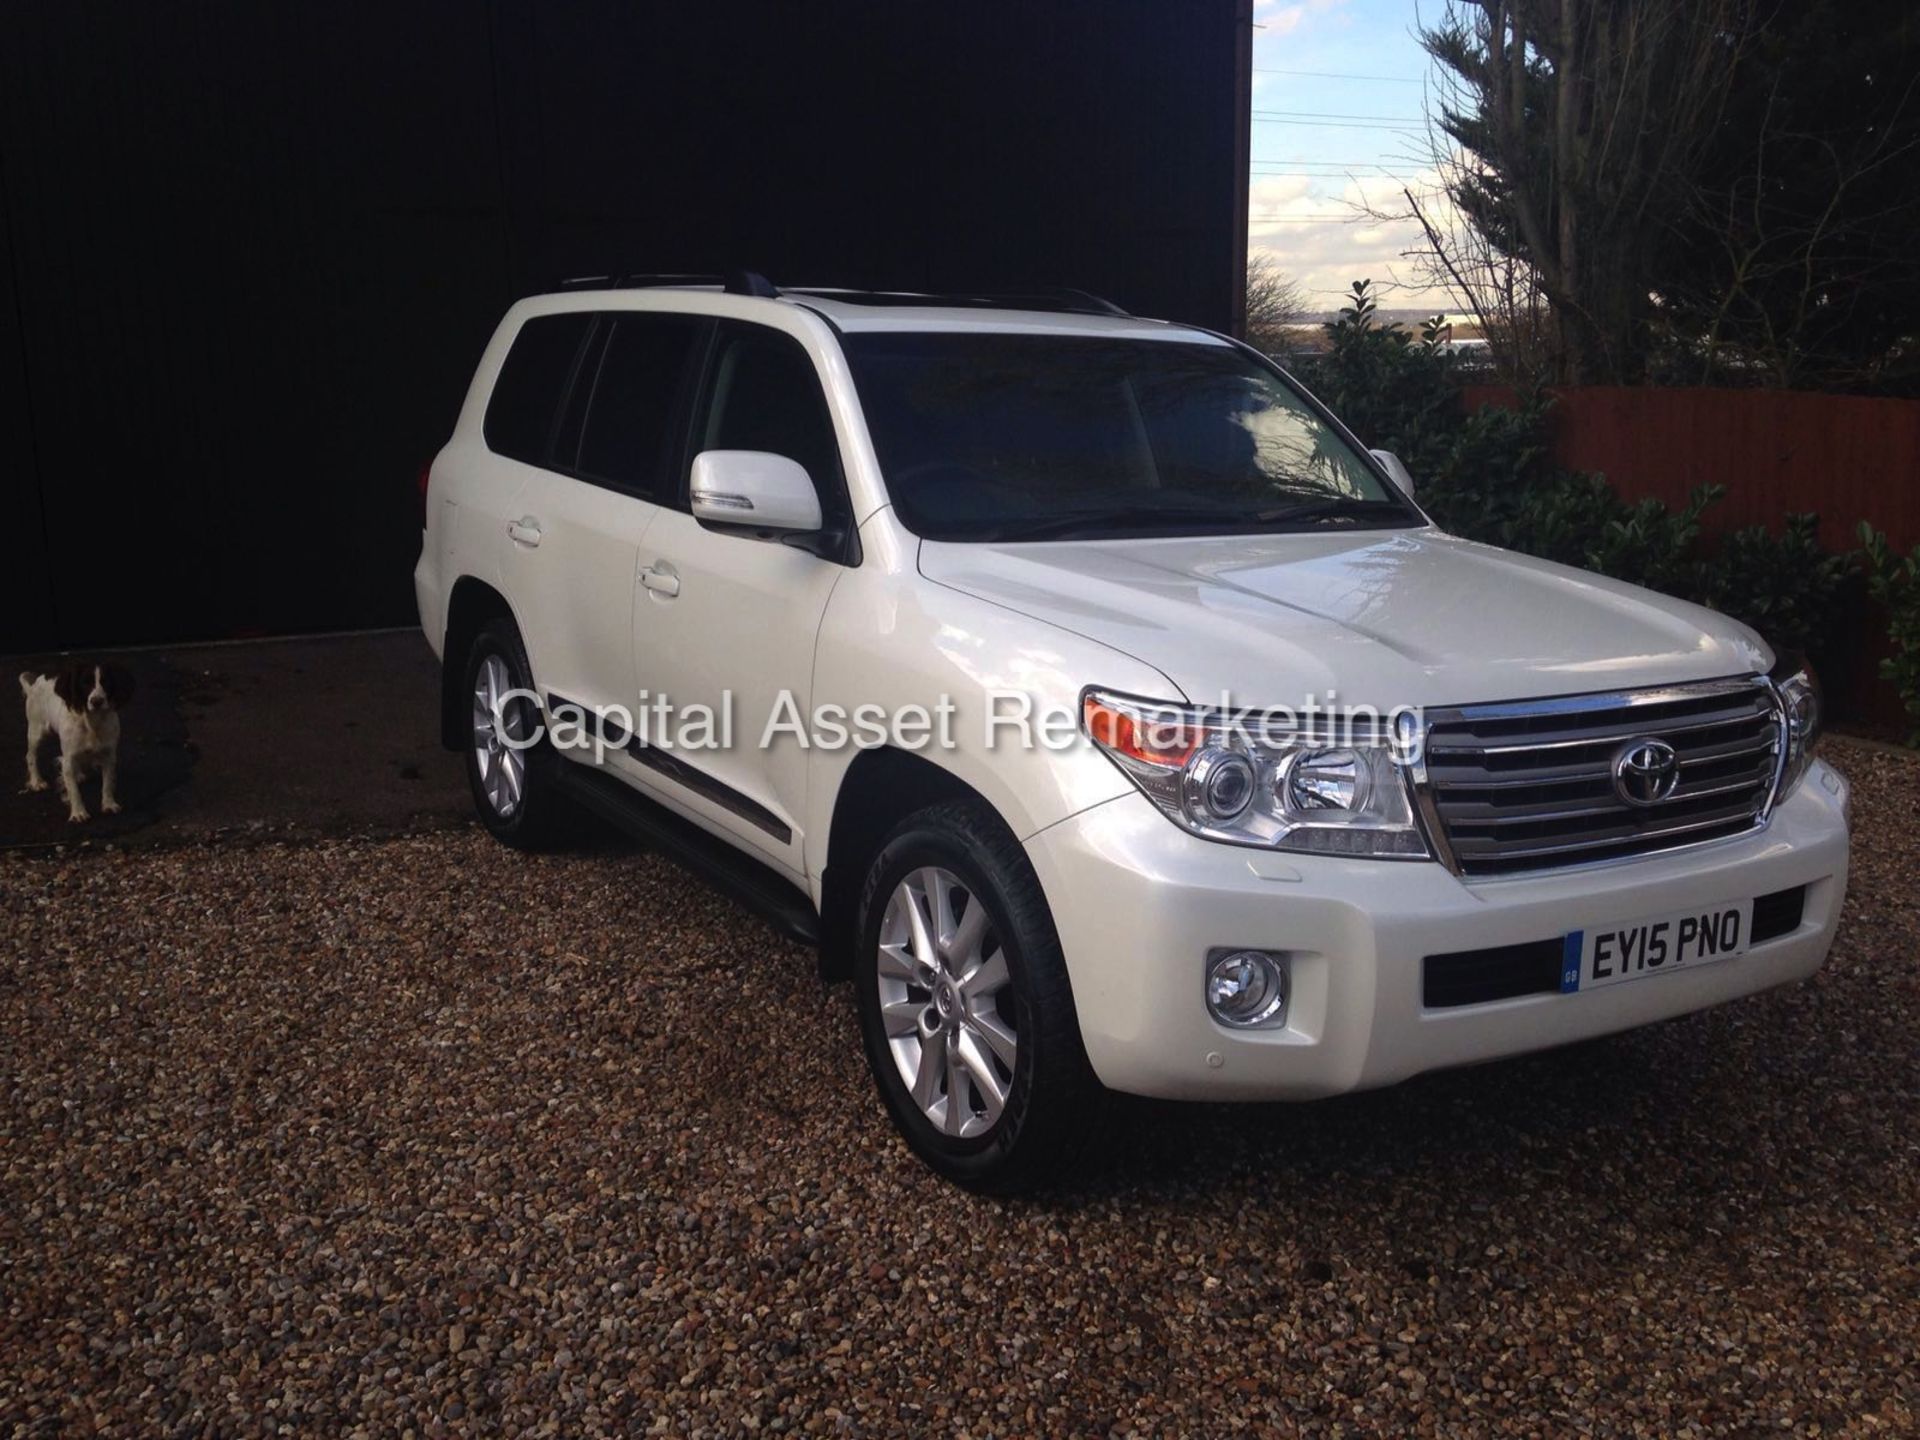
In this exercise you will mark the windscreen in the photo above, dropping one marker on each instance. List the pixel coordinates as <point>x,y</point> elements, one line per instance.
<point>997,436</point>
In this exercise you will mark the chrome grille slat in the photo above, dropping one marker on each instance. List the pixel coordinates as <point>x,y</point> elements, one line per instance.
<point>1664,700</point>
<point>1602,830</point>
<point>1648,725</point>
<point>1729,752</point>
<point>1516,788</point>
<point>1536,852</point>
<point>1598,780</point>
<point>1461,818</point>
<point>1581,775</point>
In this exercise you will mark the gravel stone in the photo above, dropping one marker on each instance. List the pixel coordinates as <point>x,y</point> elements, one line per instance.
<point>421,1136</point>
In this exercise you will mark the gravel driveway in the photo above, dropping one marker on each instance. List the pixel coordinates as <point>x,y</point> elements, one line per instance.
<point>422,1135</point>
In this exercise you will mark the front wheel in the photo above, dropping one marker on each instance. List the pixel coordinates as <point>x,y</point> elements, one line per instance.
<point>965,1008</point>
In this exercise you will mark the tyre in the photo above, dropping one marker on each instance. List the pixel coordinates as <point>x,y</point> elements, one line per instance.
<point>965,1009</point>
<point>514,790</point>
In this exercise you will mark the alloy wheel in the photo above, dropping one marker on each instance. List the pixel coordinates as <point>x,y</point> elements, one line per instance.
<point>946,1002</point>
<point>499,733</point>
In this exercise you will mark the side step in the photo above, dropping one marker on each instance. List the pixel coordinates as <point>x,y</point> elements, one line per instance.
<point>783,905</point>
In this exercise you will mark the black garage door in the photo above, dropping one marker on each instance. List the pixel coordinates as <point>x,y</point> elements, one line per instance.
<point>253,251</point>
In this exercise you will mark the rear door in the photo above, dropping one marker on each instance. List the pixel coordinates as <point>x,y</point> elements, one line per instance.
<point>576,538</point>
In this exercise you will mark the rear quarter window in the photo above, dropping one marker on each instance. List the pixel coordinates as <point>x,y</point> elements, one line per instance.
<point>524,406</point>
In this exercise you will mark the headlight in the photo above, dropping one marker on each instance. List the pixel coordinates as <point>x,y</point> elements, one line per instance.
<point>1248,782</point>
<point>1799,691</point>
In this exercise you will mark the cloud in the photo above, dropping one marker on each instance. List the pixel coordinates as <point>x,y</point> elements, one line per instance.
<point>1277,18</point>
<point>1327,233</point>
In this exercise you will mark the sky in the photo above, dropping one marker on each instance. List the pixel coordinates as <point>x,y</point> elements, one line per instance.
<point>1340,88</point>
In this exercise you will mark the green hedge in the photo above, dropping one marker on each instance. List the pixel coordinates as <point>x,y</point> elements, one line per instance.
<point>1894,580</point>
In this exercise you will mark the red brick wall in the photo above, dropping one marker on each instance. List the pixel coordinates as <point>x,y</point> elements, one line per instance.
<point>1847,457</point>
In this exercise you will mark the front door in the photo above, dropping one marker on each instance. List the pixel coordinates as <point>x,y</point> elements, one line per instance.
<point>728,622</point>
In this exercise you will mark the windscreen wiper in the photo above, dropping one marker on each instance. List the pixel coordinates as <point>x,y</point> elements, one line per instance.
<point>1334,507</point>
<point>1076,523</point>
<point>1120,517</point>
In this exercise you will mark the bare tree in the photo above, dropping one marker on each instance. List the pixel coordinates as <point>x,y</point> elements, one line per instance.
<point>1275,302</point>
<point>1498,289</point>
<point>1574,131</point>
<point>1784,278</point>
<point>1796,266</point>
<point>1716,192</point>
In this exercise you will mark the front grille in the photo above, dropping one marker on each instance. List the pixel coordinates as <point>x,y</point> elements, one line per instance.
<point>1530,785</point>
<point>1778,914</point>
<point>1476,977</point>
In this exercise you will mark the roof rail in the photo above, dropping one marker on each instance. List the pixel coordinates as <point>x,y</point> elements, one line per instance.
<point>1061,301</point>
<point>735,282</point>
<point>622,282</point>
<point>1098,303</point>
<point>750,282</point>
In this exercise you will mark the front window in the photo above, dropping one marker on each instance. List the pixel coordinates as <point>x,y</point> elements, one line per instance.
<point>765,395</point>
<point>996,436</point>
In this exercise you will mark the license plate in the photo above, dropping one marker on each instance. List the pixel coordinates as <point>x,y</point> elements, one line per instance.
<point>1685,940</point>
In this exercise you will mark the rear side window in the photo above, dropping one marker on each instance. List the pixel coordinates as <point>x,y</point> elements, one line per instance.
<point>765,395</point>
<point>634,395</point>
<point>526,397</point>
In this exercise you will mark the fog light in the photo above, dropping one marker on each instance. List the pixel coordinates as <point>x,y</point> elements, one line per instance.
<point>1247,988</point>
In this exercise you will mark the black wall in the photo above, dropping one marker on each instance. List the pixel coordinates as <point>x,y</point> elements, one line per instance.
<point>252,251</point>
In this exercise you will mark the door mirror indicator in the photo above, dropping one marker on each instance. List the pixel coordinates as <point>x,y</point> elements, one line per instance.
<point>753,491</point>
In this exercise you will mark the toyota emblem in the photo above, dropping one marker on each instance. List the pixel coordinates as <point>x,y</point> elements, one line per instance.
<point>1645,772</point>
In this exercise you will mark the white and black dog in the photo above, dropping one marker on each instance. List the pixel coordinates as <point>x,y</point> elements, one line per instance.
<point>81,704</point>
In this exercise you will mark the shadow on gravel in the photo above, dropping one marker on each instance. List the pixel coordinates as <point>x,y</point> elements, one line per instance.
<point>1654,1107</point>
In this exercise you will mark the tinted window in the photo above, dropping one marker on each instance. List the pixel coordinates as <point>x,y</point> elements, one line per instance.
<point>630,416</point>
<point>766,396</point>
<point>1048,436</point>
<point>520,413</point>
<point>573,416</point>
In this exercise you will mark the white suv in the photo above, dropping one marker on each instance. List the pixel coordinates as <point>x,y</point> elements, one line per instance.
<point>1100,706</point>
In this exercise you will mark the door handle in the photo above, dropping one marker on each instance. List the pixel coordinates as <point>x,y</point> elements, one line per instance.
<point>524,531</point>
<point>660,580</point>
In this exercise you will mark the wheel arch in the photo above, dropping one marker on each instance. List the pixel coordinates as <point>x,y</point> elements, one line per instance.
<point>472,604</point>
<point>880,788</point>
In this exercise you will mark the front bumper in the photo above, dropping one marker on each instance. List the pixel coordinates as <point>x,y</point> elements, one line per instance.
<point>1139,903</point>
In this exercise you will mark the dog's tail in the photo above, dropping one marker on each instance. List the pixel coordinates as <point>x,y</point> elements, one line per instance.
<point>27,677</point>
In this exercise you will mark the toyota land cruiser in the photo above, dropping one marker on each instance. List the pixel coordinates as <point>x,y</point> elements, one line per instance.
<point>1098,704</point>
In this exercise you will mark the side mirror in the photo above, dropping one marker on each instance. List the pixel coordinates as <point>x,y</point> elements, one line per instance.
<point>1390,463</point>
<point>753,490</point>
